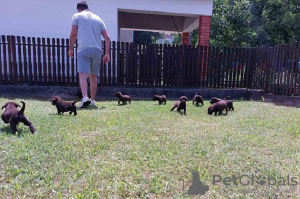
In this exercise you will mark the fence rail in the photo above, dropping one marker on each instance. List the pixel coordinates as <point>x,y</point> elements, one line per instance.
<point>44,61</point>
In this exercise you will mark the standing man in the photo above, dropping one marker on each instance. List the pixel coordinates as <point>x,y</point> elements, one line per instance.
<point>87,28</point>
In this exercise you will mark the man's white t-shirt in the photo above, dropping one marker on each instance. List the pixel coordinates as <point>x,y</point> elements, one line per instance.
<point>89,30</point>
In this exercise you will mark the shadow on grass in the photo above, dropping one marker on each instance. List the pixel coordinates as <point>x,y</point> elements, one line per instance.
<point>198,105</point>
<point>7,130</point>
<point>122,104</point>
<point>66,114</point>
<point>91,108</point>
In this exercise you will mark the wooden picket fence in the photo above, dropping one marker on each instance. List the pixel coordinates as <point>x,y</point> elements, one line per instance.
<point>44,61</point>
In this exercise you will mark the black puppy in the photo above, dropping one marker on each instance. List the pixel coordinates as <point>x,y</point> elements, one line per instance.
<point>181,104</point>
<point>218,107</point>
<point>13,116</point>
<point>64,106</point>
<point>198,99</point>
<point>122,98</point>
<point>160,99</point>
<point>228,102</point>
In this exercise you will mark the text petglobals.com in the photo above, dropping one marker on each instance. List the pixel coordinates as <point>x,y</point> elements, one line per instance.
<point>251,179</point>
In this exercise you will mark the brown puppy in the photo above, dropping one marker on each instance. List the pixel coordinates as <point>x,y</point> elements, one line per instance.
<point>181,104</point>
<point>198,99</point>
<point>13,116</point>
<point>160,99</point>
<point>218,107</point>
<point>229,102</point>
<point>122,98</point>
<point>62,106</point>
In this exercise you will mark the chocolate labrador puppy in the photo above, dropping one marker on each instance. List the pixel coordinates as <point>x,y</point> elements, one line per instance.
<point>13,116</point>
<point>181,104</point>
<point>160,98</point>
<point>228,102</point>
<point>122,98</point>
<point>218,107</point>
<point>63,106</point>
<point>198,99</point>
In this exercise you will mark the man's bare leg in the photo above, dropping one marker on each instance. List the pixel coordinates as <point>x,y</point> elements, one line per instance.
<point>93,86</point>
<point>83,84</point>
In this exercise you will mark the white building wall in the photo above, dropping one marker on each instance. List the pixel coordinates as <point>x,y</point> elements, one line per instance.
<point>52,18</point>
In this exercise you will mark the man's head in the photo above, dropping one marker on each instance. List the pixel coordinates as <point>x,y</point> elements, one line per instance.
<point>82,5</point>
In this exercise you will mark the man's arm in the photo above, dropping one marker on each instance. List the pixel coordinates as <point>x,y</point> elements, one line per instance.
<point>73,37</point>
<point>106,57</point>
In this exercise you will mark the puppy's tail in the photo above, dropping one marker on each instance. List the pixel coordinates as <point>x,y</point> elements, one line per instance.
<point>75,101</point>
<point>21,112</point>
<point>228,97</point>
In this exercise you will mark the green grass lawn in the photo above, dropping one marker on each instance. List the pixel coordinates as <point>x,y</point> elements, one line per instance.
<point>141,150</point>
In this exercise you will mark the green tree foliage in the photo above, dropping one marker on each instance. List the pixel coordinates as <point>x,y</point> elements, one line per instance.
<point>246,23</point>
<point>177,38</point>
<point>146,37</point>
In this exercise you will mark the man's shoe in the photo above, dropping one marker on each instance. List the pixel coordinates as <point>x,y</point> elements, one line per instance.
<point>93,103</point>
<point>85,102</point>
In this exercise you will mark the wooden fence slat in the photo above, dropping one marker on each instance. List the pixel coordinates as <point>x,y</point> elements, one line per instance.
<point>193,69</point>
<point>159,66</point>
<point>30,65</point>
<point>143,66</point>
<point>14,59</point>
<point>5,55</point>
<point>271,69</point>
<point>58,61</point>
<point>200,65</point>
<point>167,57</point>
<point>281,69</point>
<point>35,65</point>
<point>44,60</point>
<point>25,56</point>
<point>118,63</point>
<point>228,66</point>
<point>204,67</point>
<point>39,61</point>
<point>109,69</point>
<point>126,66</point>
<point>235,67</point>
<point>297,71</point>
<point>213,67</point>
<point>68,67</point>
<point>54,62</point>
<point>123,63</point>
<point>243,68</point>
<point>290,69</point>
<point>1,63</point>
<point>114,80</point>
<point>131,63</point>
<point>20,63</point>
<point>50,65</point>
<point>247,69</point>
<point>156,66</point>
<point>218,68</point>
<point>63,62</point>
<point>10,67</point>
<point>176,65</point>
